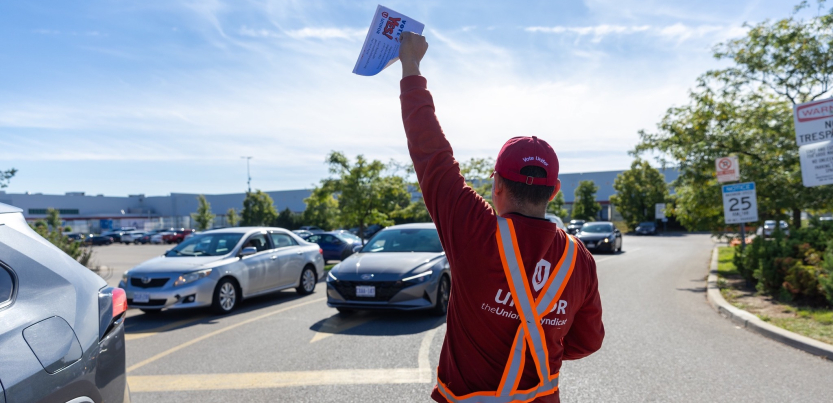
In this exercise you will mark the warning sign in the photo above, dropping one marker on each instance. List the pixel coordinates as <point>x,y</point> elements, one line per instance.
<point>813,122</point>
<point>727,169</point>
<point>817,163</point>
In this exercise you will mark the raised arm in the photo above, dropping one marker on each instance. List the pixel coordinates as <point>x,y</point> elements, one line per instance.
<point>451,203</point>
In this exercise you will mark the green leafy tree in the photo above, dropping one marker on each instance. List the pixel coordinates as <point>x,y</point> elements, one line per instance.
<point>638,190</point>
<point>477,172</point>
<point>51,230</point>
<point>585,206</point>
<point>322,209</point>
<point>556,206</point>
<point>287,219</point>
<point>258,209</point>
<point>232,218</point>
<point>5,176</point>
<point>365,195</point>
<point>203,217</point>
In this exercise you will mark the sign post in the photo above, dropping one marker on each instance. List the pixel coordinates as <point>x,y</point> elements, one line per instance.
<point>814,136</point>
<point>740,206</point>
<point>659,214</point>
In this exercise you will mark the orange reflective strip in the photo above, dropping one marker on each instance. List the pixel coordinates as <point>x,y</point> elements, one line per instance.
<point>528,291</point>
<point>508,366</point>
<point>554,268</point>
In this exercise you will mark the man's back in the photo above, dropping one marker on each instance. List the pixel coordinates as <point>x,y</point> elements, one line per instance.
<point>482,317</point>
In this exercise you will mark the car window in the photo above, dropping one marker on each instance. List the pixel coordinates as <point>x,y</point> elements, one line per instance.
<point>282,240</point>
<point>405,240</point>
<point>6,286</point>
<point>206,245</point>
<point>597,228</point>
<point>330,239</point>
<point>258,241</point>
<point>350,237</point>
<point>314,238</point>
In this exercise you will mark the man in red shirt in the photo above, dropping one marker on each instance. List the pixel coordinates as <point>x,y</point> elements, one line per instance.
<point>524,293</point>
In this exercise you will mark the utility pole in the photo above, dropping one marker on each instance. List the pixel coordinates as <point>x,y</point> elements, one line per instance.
<point>248,172</point>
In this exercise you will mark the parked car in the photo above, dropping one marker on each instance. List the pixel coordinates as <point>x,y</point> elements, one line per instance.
<point>132,237</point>
<point>177,236</point>
<point>312,229</point>
<point>115,235</point>
<point>769,228</point>
<point>646,228</point>
<point>145,238</point>
<point>61,326</point>
<point>219,268</point>
<point>575,226</point>
<point>602,236</point>
<point>556,220</point>
<point>76,237</point>
<point>159,237</point>
<point>98,240</point>
<point>337,245</point>
<point>402,267</point>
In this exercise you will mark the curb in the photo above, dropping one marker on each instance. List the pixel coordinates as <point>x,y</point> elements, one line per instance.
<point>751,322</point>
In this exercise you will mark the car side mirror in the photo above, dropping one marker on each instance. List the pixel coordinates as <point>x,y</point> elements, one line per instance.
<point>249,250</point>
<point>357,248</point>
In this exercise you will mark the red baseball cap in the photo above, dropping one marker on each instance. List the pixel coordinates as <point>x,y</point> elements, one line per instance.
<point>519,152</point>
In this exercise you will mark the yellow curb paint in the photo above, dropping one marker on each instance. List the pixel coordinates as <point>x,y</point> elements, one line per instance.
<point>264,380</point>
<point>216,332</point>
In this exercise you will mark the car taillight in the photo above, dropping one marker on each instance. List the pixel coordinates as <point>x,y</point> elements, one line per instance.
<point>112,305</point>
<point>321,251</point>
<point>119,302</point>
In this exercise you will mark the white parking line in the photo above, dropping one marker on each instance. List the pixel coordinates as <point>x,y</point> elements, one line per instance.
<point>265,380</point>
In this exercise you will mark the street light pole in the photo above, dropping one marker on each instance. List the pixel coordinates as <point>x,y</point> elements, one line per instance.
<point>248,173</point>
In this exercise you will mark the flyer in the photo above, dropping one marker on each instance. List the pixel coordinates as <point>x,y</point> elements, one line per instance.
<point>381,46</point>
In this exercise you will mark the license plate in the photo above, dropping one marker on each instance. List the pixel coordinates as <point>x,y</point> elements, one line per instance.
<point>141,297</point>
<point>365,291</point>
<point>590,244</point>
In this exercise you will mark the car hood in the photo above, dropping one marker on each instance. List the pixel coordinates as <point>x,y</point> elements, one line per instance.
<point>162,264</point>
<point>383,265</point>
<point>587,236</point>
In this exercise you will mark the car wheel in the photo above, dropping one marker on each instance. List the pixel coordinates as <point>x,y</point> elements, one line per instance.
<point>151,311</point>
<point>345,311</point>
<point>307,283</point>
<point>443,295</point>
<point>226,297</point>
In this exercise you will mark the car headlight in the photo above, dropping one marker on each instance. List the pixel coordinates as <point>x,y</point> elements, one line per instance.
<point>607,240</point>
<point>124,277</point>
<point>191,277</point>
<point>418,278</point>
<point>331,277</point>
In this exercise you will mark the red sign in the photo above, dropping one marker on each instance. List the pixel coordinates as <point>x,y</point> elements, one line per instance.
<point>814,111</point>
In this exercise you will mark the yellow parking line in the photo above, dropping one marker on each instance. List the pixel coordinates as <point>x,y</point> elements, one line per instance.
<point>216,332</point>
<point>160,329</point>
<point>263,380</point>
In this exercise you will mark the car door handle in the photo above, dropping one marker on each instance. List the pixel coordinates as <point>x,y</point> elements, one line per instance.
<point>274,257</point>
<point>299,253</point>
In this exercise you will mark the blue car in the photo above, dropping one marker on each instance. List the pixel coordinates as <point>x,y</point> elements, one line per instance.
<point>337,245</point>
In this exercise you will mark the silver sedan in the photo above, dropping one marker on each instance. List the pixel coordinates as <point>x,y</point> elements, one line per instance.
<point>219,268</point>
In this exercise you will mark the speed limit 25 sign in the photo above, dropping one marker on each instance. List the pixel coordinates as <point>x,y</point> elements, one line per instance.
<point>740,204</point>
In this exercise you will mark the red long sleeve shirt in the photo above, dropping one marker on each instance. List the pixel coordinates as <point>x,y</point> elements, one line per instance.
<point>482,321</point>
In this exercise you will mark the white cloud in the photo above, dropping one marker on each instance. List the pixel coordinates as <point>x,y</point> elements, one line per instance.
<point>679,32</point>
<point>327,33</point>
<point>257,33</point>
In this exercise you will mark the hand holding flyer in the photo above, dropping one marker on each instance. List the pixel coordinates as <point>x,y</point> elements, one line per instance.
<point>381,46</point>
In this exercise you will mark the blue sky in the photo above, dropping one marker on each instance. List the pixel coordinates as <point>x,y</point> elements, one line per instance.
<point>154,97</point>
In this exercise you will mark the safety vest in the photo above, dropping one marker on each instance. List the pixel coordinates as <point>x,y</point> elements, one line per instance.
<point>530,333</point>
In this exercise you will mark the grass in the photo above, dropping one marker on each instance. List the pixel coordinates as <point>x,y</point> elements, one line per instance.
<point>811,322</point>
<point>622,226</point>
<point>327,267</point>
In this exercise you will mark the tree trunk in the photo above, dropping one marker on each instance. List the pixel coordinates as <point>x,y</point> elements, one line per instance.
<point>796,218</point>
<point>361,232</point>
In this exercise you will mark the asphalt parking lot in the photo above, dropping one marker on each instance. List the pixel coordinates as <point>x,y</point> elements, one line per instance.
<point>663,343</point>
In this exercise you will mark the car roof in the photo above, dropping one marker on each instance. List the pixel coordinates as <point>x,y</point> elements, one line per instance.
<point>5,208</point>
<point>245,230</point>
<point>421,225</point>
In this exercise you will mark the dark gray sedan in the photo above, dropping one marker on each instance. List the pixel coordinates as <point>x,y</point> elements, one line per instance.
<point>61,327</point>
<point>602,236</point>
<point>403,267</point>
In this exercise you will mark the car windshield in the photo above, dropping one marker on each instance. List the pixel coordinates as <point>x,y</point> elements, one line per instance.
<point>405,240</point>
<point>646,224</point>
<point>348,236</point>
<point>576,222</point>
<point>206,245</point>
<point>597,228</point>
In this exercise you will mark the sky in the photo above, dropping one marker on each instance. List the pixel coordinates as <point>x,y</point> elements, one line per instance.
<point>160,96</point>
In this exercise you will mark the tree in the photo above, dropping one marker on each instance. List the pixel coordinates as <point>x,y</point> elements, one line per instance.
<point>258,209</point>
<point>638,190</point>
<point>51,230</point>
<point>585,206</point>
<point>365,196</point>
<point>322,209</point>
<point>5,176</point>
<point>204,217</point>
<point>556,206</point>
<point>287,219</point>
<point>477,173</point>
<point>232,218</point>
